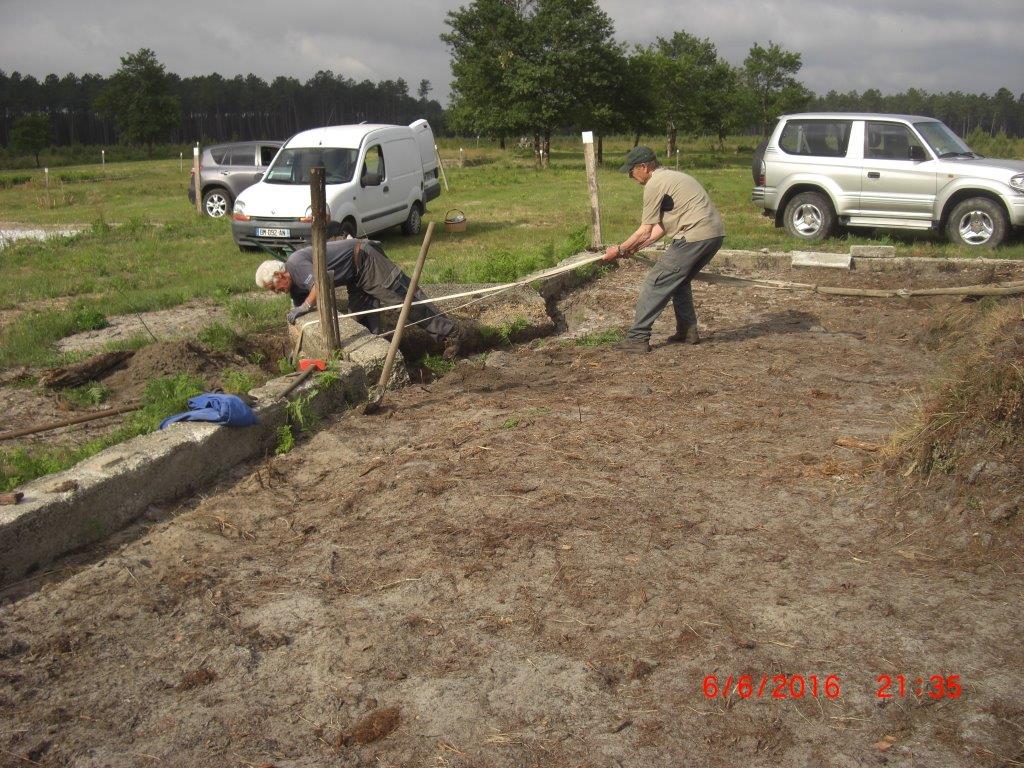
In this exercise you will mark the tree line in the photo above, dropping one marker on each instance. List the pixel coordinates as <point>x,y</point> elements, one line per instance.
<point>521,68</point>
<point>142,103</point>
<point>534,67</point>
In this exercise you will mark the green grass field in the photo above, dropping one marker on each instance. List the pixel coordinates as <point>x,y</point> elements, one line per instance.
<point>161,253</point>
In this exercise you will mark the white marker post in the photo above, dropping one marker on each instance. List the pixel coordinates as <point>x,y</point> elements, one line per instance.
<point>677,159</point>
<point>195,178</point>
<point>103,159</point>
<point>595,206</point>
<point>462,158</point>
<point>46,177</point>
<point>181,162</point>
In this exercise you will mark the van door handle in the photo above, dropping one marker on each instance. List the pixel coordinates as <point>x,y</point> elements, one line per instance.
<point>874,175</point>
<point>386,188</point>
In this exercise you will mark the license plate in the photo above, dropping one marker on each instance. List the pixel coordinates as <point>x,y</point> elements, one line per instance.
<point>261,232</point>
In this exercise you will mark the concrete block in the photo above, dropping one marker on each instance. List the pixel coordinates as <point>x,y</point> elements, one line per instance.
<point>817,259</point>
<point>872,251</point>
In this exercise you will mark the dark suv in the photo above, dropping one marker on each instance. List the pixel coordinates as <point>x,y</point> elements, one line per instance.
<point>227,169</point>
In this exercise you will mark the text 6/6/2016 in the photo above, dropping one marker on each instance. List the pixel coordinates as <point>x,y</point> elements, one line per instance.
<point>772,686</point>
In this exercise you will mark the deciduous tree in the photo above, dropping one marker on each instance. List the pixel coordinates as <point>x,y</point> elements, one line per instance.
<point>139,99</point>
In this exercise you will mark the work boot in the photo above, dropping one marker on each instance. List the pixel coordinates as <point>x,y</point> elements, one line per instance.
<point>452,345</point>
<point>685,334</point>
<point>633,346</point>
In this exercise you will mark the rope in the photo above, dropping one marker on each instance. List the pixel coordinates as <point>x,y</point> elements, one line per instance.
<point>991,289</point>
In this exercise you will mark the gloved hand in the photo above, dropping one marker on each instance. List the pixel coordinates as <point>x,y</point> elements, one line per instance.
<point>296,312</point>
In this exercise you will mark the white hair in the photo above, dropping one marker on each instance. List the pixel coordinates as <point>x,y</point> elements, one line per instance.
<point>265,272</point>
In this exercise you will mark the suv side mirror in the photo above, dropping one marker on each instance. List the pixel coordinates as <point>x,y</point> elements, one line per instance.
<point>917,153</point>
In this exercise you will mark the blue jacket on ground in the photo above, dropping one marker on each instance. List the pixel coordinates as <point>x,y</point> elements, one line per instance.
<point>217,408</point>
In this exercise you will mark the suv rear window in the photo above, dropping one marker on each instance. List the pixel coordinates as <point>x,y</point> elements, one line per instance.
<point>815,138</point>
<point>241,156</point>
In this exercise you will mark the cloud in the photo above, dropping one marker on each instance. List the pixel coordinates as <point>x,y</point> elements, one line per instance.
<point>937,45</point>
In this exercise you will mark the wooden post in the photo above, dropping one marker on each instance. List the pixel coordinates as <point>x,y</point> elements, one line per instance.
<point>195,180</point>
<point>595,205</point>
<point>325,303</point>
<point>440,165</point>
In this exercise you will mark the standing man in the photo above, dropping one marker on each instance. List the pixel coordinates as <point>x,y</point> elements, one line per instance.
<point>675,206</point>
<point>372,279</point>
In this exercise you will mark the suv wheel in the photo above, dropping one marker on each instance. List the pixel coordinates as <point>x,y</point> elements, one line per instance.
<point>216,203</point>
<point>978,222</point>
<point>809,217</point>
<point>414,223</point>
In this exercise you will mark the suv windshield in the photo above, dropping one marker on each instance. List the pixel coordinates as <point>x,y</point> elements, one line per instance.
<point>292,165</point>
<point>943,141</point>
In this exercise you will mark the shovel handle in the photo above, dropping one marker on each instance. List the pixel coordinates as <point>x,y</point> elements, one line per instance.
<point>389,361</point>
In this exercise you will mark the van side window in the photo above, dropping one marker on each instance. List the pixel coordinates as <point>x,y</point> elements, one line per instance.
<point>816,138</point>
<point>373,168</point>
<point>889,141</point>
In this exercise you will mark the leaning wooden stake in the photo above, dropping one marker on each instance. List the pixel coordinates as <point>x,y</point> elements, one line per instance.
<point>325,302</point>
<point>46,427</point>
<point>440,165</point>
<point>595,205</point>
<point>373,405</point>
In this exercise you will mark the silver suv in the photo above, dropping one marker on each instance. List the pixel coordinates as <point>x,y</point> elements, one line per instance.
<point>226,169</point>
<point>819,170</point>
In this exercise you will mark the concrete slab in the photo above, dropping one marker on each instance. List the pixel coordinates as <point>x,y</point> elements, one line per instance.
<point>816,259</point>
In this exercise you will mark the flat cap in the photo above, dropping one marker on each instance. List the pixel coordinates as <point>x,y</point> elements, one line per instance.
<point>636,156</point>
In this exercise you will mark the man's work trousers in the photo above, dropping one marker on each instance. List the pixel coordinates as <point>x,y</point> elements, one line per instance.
<point>379,283</point>
<point>669,279</point>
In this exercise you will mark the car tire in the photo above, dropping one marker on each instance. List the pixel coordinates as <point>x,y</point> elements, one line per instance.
<point>217,203</point>
<point>413,224</point>
<point>809,217</point>
<point>977,222</point>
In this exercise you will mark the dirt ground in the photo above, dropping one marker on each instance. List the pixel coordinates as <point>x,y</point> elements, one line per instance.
<point>538,559</point>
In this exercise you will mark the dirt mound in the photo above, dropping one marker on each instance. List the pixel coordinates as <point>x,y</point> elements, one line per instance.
<point>168,358</point>
<point>967,445</point>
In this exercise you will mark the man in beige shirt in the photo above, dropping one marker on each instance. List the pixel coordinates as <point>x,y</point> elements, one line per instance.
<point>676,206</point>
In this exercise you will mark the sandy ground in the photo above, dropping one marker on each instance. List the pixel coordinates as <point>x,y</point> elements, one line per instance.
<point>538,560</point>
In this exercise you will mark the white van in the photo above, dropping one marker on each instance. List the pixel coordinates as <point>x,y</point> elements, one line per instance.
<point>378,176</point>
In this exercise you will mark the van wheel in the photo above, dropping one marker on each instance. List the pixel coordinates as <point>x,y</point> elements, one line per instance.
<point>414,222</point>
<point>809,216</point>
<point>216,203</point>
<point>977,222</point>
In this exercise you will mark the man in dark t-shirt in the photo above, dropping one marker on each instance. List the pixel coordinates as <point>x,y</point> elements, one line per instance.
<point>372,280</point>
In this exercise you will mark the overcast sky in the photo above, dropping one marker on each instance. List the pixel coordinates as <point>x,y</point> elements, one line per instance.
<point>891,45</point>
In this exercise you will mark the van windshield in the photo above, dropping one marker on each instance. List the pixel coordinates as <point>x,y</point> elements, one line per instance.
<point>292,165</point>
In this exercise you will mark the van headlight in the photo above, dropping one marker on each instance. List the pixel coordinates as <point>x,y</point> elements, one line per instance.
<point>238,212</point>
<point>308,217</point>
<point>1017,182</point>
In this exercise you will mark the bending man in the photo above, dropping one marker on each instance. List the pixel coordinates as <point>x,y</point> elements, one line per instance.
<point>372,280</point>
<point>675,206</point>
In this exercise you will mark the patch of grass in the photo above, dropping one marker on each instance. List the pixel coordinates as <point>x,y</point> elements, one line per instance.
<point>87,395</point>
<point>161,398</point>
<point>29,339</point>
<point>237,382</point>
<point>599,338</point>
<point>218,337</point>
<point>14,180</point>
<point>285,440</point>
<point>492,335</point>
<point>284,365</point>
<point>254,315</point>
<point>510,423</point>
<point>437,365</point>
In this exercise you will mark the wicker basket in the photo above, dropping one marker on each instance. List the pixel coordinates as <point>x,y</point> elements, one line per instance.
<point>455,221</point>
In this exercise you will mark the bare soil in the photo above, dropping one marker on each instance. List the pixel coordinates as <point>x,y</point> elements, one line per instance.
<point>538,559</point>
